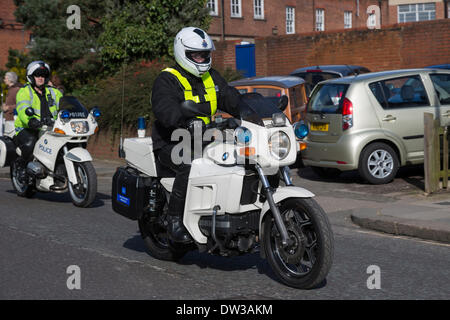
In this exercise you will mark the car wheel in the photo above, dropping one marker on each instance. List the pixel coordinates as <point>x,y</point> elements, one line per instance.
<point>378,163</point>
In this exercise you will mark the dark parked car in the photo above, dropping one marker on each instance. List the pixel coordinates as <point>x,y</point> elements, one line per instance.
<point>315,74</point>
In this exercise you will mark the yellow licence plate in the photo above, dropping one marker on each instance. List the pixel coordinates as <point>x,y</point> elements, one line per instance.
<point>319,126</point>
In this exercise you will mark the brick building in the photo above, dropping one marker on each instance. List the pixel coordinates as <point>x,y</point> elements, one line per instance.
<point>247,20</point>
<point>12,33</point>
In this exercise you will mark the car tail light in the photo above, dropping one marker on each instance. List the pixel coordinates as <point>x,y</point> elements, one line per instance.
<point>313,70</point>
<point>347,114</point>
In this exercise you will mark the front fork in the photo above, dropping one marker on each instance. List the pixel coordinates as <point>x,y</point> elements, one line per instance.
<point>268,192</point>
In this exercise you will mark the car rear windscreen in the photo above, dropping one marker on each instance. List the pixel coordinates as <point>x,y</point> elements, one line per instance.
<point>327,98</point>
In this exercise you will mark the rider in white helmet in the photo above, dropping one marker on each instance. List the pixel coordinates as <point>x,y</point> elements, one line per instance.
<point>191,78</point>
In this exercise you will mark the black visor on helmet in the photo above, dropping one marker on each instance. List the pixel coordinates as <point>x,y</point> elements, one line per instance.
<point>41,72</point>
<point>196,56</point>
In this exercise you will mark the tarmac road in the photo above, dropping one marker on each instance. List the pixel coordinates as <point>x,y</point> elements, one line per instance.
<point>43,236</point>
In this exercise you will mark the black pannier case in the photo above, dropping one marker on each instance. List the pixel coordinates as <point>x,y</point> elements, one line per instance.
<point>130,192</point>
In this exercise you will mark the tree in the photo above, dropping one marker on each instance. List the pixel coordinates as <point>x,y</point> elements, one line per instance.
<point>144,29</point>
<point>66,50</point>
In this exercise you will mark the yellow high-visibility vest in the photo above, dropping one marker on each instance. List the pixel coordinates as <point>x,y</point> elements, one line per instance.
<point>209,88</point>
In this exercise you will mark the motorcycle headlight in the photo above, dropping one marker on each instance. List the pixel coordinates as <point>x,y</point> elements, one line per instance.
<point>279,145</point>
<point>79,126</point>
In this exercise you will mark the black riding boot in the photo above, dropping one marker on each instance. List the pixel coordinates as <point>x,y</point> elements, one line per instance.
<point>176,230</point>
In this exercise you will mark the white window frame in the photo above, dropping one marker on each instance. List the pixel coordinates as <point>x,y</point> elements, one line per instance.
<point>258,9</point>
<point>348,15</point>
<point>416,9</point>
<point>290,20</point>
<point>371,20</point>
<point>213,7</point>
<point>320,19</point>
<point>236,8</point>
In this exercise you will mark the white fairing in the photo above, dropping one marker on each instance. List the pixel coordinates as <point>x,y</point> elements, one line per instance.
<point>50,143</point>
<point>209,185</point>
<point>139,154</point>
<point>3,152</point>
<point>47,148</point>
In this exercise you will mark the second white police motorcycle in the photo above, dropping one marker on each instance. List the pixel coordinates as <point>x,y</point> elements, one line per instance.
<point>235,203</point>
<point>60,160</point>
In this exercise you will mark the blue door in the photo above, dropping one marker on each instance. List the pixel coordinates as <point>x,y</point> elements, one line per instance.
<point>245,59</point>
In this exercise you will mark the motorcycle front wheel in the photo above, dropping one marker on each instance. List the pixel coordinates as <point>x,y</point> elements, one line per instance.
<point>305,263</point>
<point>83,193</point>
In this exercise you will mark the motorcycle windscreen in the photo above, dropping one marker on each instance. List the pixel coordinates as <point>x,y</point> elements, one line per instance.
<point>74,107</point>
<point>253,107</point>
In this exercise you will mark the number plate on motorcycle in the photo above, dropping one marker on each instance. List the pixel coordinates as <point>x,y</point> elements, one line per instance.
<point>319,126</point>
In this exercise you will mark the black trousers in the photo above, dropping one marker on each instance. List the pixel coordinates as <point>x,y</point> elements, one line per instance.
<point>179,190</point>
<point>25,140</point>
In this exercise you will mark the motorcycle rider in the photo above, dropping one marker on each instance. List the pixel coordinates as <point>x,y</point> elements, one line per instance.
<point>192,78</point>
<point>43,99</point>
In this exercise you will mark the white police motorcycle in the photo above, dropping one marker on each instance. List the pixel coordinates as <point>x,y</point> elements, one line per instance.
<point>60,161</point>
<point>235,203</point>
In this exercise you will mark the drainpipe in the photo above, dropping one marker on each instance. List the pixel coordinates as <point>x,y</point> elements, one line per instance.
<point>446,9</point>
<point>223,20</point>
<point>381,14</point>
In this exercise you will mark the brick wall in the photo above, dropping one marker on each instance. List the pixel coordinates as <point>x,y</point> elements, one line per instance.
<point>409,45</point>
<point>247,27</point>
<point>12,34</point>
<point>105,144</point>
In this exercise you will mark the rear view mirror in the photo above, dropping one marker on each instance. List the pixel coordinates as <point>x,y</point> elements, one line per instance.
<point>29,112</point>
<point>283,102</point>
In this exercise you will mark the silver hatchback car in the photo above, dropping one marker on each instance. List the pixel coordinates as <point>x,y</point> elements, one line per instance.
<point>373,122</point>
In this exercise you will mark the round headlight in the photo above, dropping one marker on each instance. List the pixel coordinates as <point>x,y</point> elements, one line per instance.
<point>279,145</point>
<point>300,129</point>
<point>243,135</point>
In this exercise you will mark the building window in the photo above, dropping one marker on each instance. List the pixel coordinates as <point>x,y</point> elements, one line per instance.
<point>372,20</point>
<point>347,20</point>
<point>236,8</point>
<point>290,20</point>
<point>213,8</point>
<point>320,20</point>
<point>416,12</point>
<point>258,6</point>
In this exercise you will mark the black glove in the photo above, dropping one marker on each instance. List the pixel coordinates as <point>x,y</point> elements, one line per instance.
<point>34,123</point>
<point>48,122</point>
<point>195,122</point>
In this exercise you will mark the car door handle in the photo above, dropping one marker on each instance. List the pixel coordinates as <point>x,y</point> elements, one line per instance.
<point>389,118</point>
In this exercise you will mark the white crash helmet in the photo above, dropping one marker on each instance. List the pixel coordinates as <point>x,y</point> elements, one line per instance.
<point>38,68</point>
<point>189,40</point>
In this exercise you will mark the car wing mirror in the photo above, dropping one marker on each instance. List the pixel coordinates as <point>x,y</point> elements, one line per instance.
<point>283,102</point>
<point>29,112</point>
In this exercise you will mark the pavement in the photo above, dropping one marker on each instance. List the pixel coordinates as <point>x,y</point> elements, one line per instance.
<point>418,215</point>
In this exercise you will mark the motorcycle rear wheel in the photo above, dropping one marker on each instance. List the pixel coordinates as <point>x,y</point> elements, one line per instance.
<point>22,189</point>
<point>154,234</point>
<point>305,263</point>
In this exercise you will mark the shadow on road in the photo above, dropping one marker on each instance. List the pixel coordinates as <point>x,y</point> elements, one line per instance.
<point>206,260</point>
<point>408,178</point>
<point>64,198</point>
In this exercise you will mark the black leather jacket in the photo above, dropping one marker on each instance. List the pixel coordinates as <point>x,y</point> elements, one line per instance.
<point>168,93</point>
